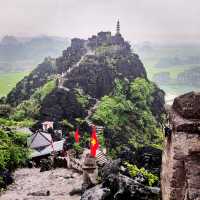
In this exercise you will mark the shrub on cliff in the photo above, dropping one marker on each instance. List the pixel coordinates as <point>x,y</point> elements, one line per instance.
<point>134,171</point>
<point>82,98</point>
<point>127,115</point>
<point>5,110</point>
<point>30,109</point>
<point>13,151</point>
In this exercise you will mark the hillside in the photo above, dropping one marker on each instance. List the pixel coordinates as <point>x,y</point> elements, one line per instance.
<point>19,56</point>
<point>75,86</point>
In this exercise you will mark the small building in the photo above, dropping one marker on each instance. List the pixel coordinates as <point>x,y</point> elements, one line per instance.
<point>39,140</point>
<point>42,144</point>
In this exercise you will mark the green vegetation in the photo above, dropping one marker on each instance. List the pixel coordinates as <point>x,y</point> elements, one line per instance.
<point>82,98</point>
<point>30,109</point>
<point>13,150</point>
<point>134,171</point>
<point>128,117</point>
<point>42,92</point>
<point>67,124</point>
<point>9,80</point>
<point>13,123</point>
<point>78,148</point>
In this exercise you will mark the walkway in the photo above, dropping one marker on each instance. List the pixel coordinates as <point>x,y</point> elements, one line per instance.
<point>31,182</point>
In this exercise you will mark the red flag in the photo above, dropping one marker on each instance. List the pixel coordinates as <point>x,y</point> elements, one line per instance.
<point>76,136</point>
<point>94,143</point>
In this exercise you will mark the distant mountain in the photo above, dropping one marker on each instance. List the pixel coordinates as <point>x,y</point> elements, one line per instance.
<point>178,60</point>
<point>19,54</point>
<point>189,77</point>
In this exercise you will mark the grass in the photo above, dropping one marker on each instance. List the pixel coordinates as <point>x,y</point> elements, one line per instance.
<point>9,80</point>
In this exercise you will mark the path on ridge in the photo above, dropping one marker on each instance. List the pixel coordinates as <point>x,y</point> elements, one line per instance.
<point>62,79</point>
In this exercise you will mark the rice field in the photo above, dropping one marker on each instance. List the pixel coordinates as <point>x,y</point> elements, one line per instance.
<point>9,80</point>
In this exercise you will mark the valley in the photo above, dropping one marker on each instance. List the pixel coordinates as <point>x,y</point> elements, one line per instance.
<point>8,81</point>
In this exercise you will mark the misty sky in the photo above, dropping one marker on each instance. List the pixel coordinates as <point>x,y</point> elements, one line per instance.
<point>140,19</point>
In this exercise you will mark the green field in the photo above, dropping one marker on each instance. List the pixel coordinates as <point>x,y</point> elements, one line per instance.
<point>9,80</point>
<point>150,63</point>
<point>151,58</point>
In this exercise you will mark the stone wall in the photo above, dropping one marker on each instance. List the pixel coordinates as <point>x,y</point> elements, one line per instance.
<point>180,176</point>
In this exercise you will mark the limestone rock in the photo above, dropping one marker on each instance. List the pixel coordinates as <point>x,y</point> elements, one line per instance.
<point>122,187</point>
<point>96,193</point>
<point>188,105</point>
<point>46,164</point>
<point>180,177</point>
<point>7,178</point>
<point>147,157</point>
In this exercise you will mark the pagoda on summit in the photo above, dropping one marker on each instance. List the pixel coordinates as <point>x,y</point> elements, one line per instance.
<point>118,28</point>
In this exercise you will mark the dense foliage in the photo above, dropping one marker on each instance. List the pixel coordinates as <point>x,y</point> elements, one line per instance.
<point>134,171</point>
<point>29,109</point>
<point>127,115</point>
<point>13,151</point>
<point>82,98</point>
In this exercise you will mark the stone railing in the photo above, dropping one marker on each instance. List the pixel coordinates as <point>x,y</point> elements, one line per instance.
<point>180,176</point>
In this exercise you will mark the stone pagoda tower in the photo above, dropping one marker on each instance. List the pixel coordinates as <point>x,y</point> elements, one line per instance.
<point>118,28</point>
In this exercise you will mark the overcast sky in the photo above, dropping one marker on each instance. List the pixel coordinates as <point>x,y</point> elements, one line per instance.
<point>140,19</point>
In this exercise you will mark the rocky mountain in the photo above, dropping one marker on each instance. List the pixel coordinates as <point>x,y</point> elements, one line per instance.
<point>87,68</point>
<point>91,72</point>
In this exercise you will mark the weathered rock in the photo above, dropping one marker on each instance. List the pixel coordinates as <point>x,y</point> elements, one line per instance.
<point>147,157</point>
<point>39,193</point>
<point>46,165</point>
<point>59,162</point>
<point>6,177</point>
<point>188,105</point>
<point>96,193</point>
<point>122,187</point>
<point>180,177</point>
<point>112,167</point>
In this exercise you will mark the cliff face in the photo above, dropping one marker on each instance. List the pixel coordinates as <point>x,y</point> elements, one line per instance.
<point>91,66</point>
<point>180,177</point>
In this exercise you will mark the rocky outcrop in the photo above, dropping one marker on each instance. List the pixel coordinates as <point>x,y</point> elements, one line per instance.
<point>147,157</point>
<point>180,177</point>
<point>90,65</point>
<point>120,187</point>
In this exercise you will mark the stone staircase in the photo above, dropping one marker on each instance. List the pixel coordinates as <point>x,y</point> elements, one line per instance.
<point>99,129</point>
<point>63,77</point>
<point>101,158</point>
